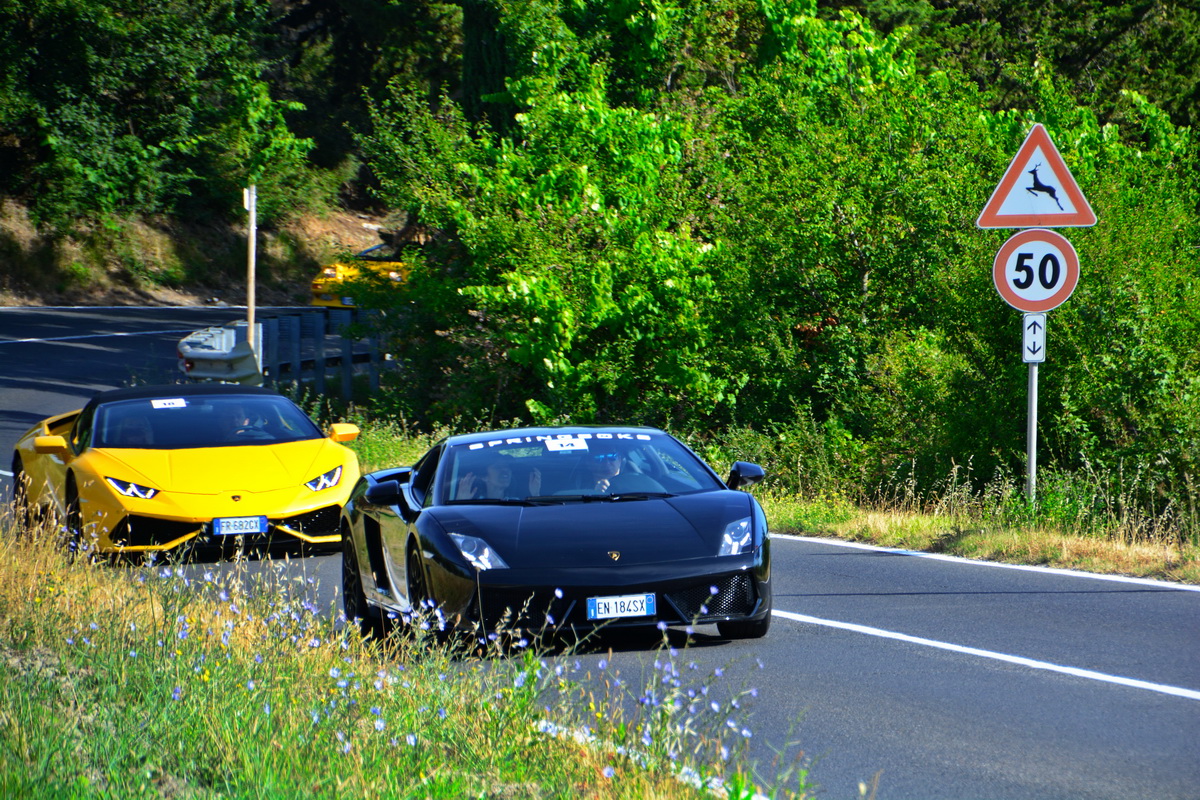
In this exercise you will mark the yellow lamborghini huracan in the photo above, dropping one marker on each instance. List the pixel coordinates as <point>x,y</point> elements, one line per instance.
<point>156,467</point>
<point>329,286</point>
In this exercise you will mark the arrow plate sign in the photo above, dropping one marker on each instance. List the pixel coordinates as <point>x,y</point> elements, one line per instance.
<point>1033,346</point>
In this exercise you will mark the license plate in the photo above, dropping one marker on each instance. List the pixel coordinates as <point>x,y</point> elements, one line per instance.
<point>232,526</point>
<point>626,605</point>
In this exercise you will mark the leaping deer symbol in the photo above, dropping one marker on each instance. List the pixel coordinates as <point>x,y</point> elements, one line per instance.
<point>1038,186</point>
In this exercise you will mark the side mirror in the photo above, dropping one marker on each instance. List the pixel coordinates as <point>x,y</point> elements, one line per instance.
<point>743,473</point>
<point>384,493</point>
<point>50,446</point>
<point>343,432</point>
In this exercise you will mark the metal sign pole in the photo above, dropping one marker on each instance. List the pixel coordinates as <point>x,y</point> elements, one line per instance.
<point>250,201</point>
<point>1031,435</point>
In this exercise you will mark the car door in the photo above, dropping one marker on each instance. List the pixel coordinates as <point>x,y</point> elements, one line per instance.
<point>52,468</point>
<point>398,523</point>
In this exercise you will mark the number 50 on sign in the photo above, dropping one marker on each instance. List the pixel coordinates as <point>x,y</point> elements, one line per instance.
<point>1036,270</point>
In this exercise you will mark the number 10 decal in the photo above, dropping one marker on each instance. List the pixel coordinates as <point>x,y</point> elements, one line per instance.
<point>1036,270</point>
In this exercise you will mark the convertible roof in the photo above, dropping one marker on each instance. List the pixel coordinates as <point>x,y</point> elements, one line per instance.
<point>177,390</point>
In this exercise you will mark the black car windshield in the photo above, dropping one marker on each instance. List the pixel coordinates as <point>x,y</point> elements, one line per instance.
<point>177,423</point>
<point>573,467</point>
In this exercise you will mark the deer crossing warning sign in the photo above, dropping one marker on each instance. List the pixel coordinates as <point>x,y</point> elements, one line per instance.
<point>1037,191</point>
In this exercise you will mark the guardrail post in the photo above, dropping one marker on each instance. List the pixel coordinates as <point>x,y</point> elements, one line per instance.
<point>347,369</point>
<point>370,320</point>
<point>294,333</point>
<point>270,347</point>
<point>319,352</point>
<point>373,374</point>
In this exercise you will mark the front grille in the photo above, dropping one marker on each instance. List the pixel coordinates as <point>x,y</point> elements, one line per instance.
<point>139,531</point>
<point>735,596</point>
<point>322,522</point>
<point>525,609</point>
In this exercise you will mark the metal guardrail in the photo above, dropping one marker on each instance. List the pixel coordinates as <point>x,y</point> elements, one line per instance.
<point>299,348</point>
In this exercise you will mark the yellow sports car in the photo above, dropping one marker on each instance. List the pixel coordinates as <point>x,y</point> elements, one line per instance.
<point>330,286</point>
<point>157,467</point>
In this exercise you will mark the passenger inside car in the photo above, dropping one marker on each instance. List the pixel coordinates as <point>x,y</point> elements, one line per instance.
<point>495,481</point>
<point>134,432</point>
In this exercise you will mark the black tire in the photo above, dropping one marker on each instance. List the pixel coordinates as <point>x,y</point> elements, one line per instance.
<point>354,598</point>
<point>424,604</point>
<point>22,511</point>
<point>73,524</point>
<point>745,629</point>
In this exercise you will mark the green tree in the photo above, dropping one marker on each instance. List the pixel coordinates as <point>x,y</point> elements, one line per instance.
<point>124,105</point>
<point>1101,48</point>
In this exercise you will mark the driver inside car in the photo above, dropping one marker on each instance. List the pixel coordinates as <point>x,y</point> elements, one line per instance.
<point>236,422</point>
<point>604,466</point>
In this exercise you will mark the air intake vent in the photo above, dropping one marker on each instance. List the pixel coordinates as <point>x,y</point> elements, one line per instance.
<point>735,595</point>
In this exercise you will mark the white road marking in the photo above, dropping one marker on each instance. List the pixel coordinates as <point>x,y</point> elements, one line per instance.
<point>95,336</point>
<point>972,651</point>
<point>1069,573</point>
<point>6,474</point>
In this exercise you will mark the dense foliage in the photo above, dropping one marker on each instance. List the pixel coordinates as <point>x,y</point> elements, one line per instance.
<point>128,106</point>
<point>749,215</point>
<point>790,236</point>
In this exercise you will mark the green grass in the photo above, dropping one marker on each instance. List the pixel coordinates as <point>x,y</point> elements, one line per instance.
<point>138,681</point>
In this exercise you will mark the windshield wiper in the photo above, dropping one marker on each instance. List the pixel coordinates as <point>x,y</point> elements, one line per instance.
<point>596,498</point>
<point>493,501</point>
<point>560,499</point>
<point>622,496</point>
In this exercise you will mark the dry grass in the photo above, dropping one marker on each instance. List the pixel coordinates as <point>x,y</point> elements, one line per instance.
<point>980,539</point>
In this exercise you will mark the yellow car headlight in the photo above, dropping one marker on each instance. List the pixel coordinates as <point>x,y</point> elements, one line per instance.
<point>131,489</point>
<point>326,480</point>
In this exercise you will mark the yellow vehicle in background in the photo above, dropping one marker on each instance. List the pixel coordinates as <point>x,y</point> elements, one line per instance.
<point>330,288</point>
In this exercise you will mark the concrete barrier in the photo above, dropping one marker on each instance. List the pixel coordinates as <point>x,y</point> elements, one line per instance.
<point>222,354</point>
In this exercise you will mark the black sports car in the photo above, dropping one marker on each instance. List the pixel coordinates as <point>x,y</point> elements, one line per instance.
<point>567,528</point>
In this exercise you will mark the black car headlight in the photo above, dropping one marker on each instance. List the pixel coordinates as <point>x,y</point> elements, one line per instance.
<point>738,538</point>
<point>131,489</point>
<point>478,552</point>
<point>325,481</point>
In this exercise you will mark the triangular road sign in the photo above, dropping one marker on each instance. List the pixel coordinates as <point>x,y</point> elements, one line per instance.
<point>1037,191</point>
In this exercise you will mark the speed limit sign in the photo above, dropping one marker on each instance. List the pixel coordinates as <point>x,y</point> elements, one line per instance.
<point>1036,270</point>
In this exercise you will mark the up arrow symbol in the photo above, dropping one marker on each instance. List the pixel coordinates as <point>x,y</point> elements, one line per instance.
<point>1035,326</point>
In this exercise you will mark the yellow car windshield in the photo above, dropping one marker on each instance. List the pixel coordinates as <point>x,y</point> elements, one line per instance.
<point>175,423</point>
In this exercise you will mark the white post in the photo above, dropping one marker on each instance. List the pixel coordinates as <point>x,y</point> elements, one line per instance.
<point>1031,435</point>
<point>250,201</point>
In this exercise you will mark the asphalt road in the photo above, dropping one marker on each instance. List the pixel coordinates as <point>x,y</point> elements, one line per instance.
<point>923,676</point>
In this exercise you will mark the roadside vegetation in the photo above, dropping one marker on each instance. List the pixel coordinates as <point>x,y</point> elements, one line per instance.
<point>159,681</point>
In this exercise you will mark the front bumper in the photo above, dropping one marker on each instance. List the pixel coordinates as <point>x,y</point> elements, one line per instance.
<point>138,534</point>
<point>524,599</point>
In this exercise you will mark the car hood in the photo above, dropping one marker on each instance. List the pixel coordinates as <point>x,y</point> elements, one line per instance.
<point>578,534</point>
<point>216,470</point>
